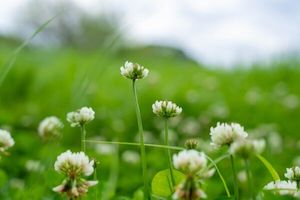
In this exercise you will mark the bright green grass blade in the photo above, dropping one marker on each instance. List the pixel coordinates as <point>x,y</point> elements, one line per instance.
<point>11,61</point>
<point>269,167</point>
<point>136,144</point>
<point>220,175</point>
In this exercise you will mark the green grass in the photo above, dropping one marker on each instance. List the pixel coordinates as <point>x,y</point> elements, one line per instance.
<point>47,82</point>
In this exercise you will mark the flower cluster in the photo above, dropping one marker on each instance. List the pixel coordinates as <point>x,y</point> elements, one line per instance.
<point>6,141</point>
<point>166,109</point>
<point>293,173</point>
<point>74,166</point>
<point>190,161</point>
<point>50,126</point>
<point>282,187</point>
<point>226,134</point>
<point>194,165</point>
<point>81,116</point>
<point>134,71</point>
<point>245,147</point>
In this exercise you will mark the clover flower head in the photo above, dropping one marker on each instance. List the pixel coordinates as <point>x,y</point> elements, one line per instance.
<point>293,173</point>
<point>74,189</point>
<point>245,147</point>
<point>6,141</point>
<point>74,165</point>
<point>191,144</point>
<point>282,187</point>
<point>81,116</point>
<point>166,109</point>
<point>50,126</point>
<point>226,134</point>
<point>134,71</point>
<point>190,161</point>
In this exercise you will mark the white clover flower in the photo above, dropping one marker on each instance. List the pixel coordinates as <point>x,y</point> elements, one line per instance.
<point>190,161</point>
<point>81,116</point>
<point>6,141</point>
<point>282,187</point>
<point>293,173</point>
<point>226,134</point>
<point>50,126</point>
<point>134,71</point>
<point>166,109</point>
<point>245,148</point>
<point>74,164</point>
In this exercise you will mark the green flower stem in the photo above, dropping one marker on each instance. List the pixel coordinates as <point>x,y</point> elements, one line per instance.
<point>142,146</point>
<point>169,154</point>
<point>235,181</point>
<point>83,135</point>
<point>249,178</point>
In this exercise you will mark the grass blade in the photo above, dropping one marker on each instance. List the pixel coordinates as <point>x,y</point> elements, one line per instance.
<point>11,61</point>
<point>269,167</point>
<point>220,175</point>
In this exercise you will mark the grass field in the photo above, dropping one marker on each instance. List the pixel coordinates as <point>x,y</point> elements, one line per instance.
<point>265,99</point>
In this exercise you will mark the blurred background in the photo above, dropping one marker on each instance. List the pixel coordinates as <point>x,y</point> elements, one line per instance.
<point>227,61</point>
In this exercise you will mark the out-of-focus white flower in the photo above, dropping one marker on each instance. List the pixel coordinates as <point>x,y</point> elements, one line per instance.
<point>131,157</point>
<point>282,187</point>
<point>81,116</point>
<point>226,134</point>
<point>34,166</point>
<point>242,176</point>
<point>245,147</point>
<point>166,109</point>
<point>17,183</point>
<point>50,126</point>
<point>191,144</point>
<point>133,71</point>
<point>74,164</point>
<point>293,173</point>
<point>6,141</point>
<point>190,161</point>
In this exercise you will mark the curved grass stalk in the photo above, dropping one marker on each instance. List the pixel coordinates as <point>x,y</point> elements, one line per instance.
<point>269,167</point>
<point>220,175</point>
<point>136,144</point>
<point>11,61</point>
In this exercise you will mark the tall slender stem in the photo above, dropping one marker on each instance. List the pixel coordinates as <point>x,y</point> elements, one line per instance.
<point>83,135</point>
<point>235,181</point>
<point>249,178</point>
<point>142,144</point>
<point>169,154</point>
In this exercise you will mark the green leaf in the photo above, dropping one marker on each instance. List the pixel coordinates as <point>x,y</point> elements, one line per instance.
<point>161,182</point>
<point>269,166</point>
<point>138,195</point>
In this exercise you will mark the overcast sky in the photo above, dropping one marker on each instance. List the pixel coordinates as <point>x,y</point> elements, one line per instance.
<point>218,32</point>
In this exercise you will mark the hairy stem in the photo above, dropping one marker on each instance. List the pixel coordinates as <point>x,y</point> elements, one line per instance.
<point>169,154</point>
<point>235,181</point>
<point>142,143</point>
<point>83,135</point>
<point>249,179</point>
